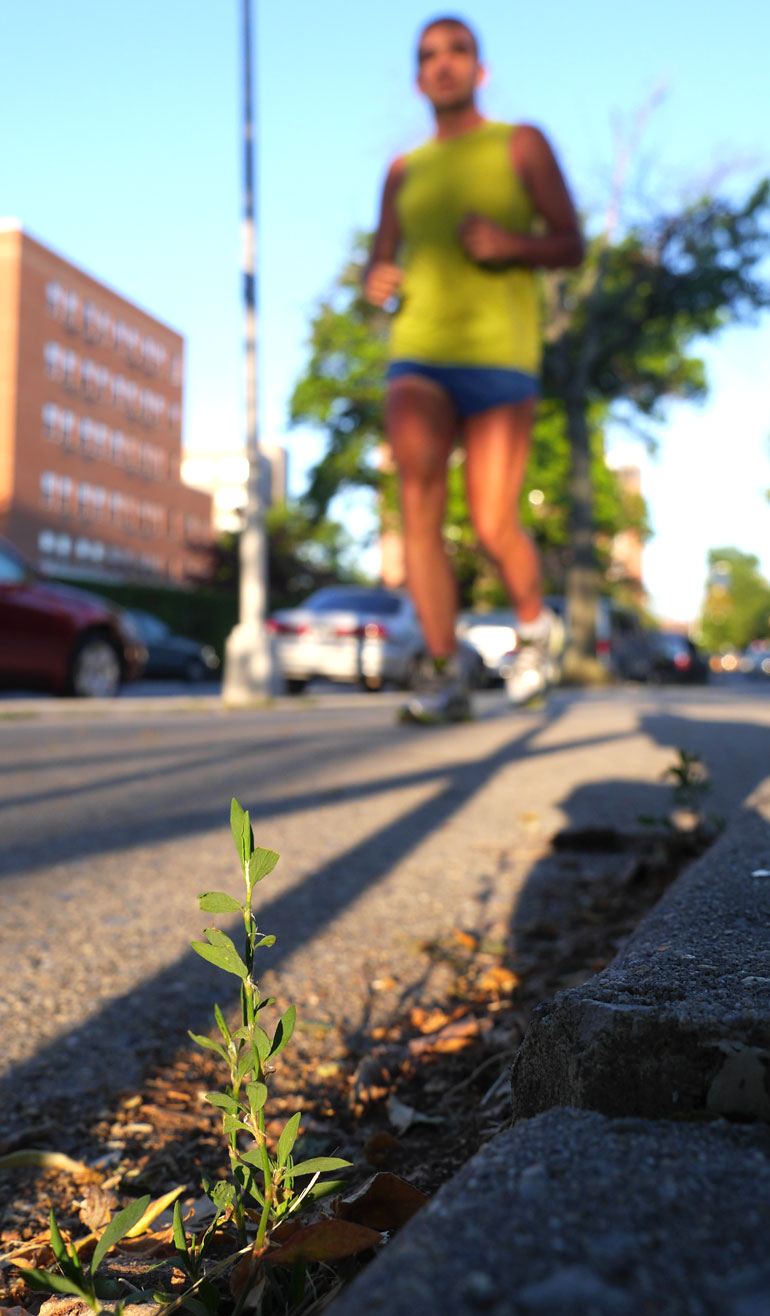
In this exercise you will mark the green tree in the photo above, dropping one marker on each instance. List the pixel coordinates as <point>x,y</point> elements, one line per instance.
<point>620,334</point>
<point>736,609</point>
<point>304,553</point>
<point>342,391</point>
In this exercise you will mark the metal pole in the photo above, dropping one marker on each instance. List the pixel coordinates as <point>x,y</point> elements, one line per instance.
<point>249,666</point>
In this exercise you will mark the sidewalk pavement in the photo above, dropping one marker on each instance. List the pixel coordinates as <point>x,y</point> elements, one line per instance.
<point>636,1175</point>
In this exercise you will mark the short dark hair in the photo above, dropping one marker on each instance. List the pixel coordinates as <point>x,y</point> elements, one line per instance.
<point>450,20</point>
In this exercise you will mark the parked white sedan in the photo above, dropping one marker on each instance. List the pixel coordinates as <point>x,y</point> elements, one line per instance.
<point>350,633</point>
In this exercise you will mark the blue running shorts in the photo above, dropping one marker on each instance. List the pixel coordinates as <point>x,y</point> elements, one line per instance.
<point>472,388</point>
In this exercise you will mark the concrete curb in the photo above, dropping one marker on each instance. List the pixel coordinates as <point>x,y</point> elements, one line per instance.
<point>574,1214</point>
<point>680,1022</point>
<point>587,1210</point>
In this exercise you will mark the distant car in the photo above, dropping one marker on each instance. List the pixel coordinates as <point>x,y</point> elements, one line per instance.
<point>676,659</point>
<point>350,633</point>
<point>170,655</point>
<point>622,641</point>
<point>755,660</point>
<point>61,638</point>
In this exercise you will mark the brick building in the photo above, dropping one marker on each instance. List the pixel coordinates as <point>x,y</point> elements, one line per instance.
<point>91,427</point>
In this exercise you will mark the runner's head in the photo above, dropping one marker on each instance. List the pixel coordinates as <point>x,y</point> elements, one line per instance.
<point>449,68</point>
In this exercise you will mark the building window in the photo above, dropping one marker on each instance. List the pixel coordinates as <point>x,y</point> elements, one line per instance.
<point>49,542</point>
<point>55,300</point>
<point>66,490</point>
<point>84,500</point>
<point>53,356</point>
<point>91,322</point>
<point>87,443</point>
<point>118,447</point>
<point>72,312</point>
<point>175,371</point>
<point>68,428</point>
<point>174,415</point>
<point>49,488</point>
<point>52,422</point>
<point>89,378</point>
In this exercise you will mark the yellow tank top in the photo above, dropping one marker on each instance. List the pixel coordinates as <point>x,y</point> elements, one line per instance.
<point>452,311</point>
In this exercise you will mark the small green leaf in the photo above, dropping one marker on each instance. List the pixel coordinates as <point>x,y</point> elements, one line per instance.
<point>288,1138</point>
<point>222,1024</point>
<point>261,1041</point>
<point>324,1188</point>
<point>222,1194</point>
<point>117,1228</point>
<point>257,1095</point>
<point>209,1043</point>
<point>218,902</point>
<point>269,940</point>
<point>57,1242</point>
<point>221,952</point>
<point>180,1237</point>
<point>223,1101</point>
<point>246,1063</point>
<point>232,1124</point>
<point>320,1165</point>
<point>284,1031</point>
<point>237,816</point>
<point>44,1279</point>
<point>261,863</point>
<point>268,1001</point>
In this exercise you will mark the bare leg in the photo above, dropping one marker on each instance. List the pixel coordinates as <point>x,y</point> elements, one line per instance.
<point>422,425</point>
<point>496,449</point>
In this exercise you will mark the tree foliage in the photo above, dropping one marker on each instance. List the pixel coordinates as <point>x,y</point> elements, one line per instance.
<point>304,553</point>
<point>736,609</point>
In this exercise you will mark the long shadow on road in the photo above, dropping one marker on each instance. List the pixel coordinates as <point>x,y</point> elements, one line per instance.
<point>111,1048</point>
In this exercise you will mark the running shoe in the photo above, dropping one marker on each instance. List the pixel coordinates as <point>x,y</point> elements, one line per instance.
<point>533,667</point>
<point>441,695</point>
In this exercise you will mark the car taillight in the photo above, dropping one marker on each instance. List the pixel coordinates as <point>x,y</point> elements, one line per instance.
<point>374,630</point>
<point>603,648</point>
<point>682,661</point>
<point>275,627</point>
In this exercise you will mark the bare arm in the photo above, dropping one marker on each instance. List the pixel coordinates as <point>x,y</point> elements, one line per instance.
<point>382,276</point>
<point>561,245</point>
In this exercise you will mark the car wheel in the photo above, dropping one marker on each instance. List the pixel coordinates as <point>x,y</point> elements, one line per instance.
<point>195,670</point>
<point>295,685</point>
<point>95,670</point>
<point>371,684</point>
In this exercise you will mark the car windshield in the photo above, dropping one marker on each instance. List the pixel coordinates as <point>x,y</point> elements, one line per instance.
<point>150,628</point>
<point>368,601</point>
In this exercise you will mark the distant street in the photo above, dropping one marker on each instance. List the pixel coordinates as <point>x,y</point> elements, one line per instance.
<point>114,817</point>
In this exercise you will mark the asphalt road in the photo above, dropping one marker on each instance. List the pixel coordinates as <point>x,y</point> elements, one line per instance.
<point>114,816</point>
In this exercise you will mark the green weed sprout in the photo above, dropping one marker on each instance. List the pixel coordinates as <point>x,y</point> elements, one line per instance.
<point>264,1175</point>
<point>72,1277</point>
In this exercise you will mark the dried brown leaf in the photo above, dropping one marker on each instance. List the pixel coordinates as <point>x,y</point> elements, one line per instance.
<point>384,1202</point>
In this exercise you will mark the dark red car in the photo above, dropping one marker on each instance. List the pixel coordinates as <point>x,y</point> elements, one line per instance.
<point>59,637</point>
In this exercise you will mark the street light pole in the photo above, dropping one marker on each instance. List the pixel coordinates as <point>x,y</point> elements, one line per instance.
<point>249,667</point>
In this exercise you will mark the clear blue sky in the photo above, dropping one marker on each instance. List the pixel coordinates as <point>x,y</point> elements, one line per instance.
<point>120,148</point>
